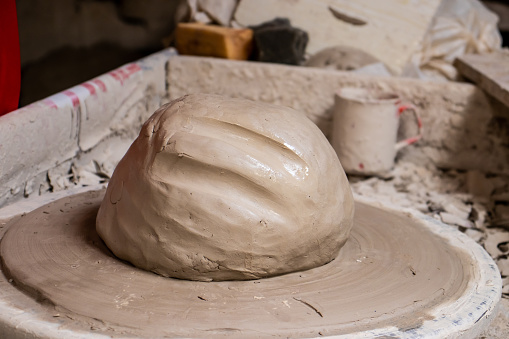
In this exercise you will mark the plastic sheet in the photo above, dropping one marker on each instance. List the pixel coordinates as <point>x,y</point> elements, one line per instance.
<point>459,27</point>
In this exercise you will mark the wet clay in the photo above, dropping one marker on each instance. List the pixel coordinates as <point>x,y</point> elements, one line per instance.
<point>391,271</point>
<point>216,188</point>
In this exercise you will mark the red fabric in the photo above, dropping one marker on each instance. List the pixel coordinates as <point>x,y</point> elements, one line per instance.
<point>10,67</point>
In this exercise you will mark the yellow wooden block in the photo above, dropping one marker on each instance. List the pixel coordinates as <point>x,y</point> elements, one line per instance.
<point>214,41</point>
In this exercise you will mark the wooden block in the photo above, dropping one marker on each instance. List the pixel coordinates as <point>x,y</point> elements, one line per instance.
<point>391,30</point>
<point>489,71</point>
<point>213,41</point>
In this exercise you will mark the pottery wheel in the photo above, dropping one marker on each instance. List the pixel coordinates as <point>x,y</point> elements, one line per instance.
<point>398,274</point>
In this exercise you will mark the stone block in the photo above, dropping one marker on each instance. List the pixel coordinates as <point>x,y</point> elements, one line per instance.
<point>277,41</point>
<point>213,41</point>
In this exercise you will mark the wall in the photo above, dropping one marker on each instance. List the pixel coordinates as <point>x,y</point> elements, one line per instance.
<point>97,119</point>
<point>463,127</point>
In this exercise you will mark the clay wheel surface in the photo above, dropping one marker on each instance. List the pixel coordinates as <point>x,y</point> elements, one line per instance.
<point>393,273</point>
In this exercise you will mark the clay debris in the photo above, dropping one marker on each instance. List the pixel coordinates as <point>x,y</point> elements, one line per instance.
<point>72,175</point>
<point>476,203</point>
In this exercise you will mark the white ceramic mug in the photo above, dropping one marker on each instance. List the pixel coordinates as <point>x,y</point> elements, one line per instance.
<point>365,127</point>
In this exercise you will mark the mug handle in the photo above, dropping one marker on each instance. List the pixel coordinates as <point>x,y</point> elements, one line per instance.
<point>402,108</point>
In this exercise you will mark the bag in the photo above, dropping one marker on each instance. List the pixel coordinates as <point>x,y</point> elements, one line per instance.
<point>459,27</point>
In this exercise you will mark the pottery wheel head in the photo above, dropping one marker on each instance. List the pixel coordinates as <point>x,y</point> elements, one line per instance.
<point>216,188</point>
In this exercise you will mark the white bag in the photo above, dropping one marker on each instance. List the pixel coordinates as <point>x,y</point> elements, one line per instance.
<point>459,27</point>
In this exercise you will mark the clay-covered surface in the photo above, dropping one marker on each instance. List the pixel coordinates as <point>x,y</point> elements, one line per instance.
<point>393,272</point>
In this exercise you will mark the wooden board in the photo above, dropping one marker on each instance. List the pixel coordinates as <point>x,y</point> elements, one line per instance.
<point>488,71</point>
<point>391,30</point>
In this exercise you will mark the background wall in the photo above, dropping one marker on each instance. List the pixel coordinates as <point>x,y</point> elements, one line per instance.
<point>65,42</point>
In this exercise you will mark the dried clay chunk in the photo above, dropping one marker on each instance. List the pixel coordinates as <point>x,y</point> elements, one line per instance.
<point>216,188</point>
